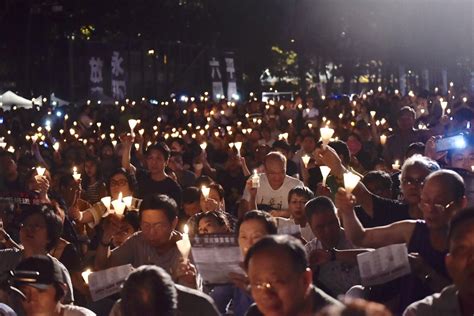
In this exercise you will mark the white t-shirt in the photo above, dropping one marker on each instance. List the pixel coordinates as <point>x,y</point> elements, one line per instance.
<point>73,310</point>
<point>273,199</point>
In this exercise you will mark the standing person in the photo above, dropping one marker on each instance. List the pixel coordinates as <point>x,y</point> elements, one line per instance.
<point>280,279</point>
<point>272,195</point>
<point>154,179</point>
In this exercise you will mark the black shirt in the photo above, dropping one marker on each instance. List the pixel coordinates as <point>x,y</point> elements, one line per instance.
<point>147,186</point>
<point>386,211</point>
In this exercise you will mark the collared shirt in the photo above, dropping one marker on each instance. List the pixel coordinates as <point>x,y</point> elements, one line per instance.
<point>444,303</point>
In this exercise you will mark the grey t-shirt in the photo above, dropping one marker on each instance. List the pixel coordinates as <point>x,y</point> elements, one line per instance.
<point>137,252</point>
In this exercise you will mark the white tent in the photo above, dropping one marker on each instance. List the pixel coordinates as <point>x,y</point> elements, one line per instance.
<point>10,98</point>
<point>55,101</point>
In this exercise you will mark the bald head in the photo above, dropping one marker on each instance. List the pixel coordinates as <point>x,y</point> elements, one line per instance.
<point>451,182</point>
<point>275,158</point>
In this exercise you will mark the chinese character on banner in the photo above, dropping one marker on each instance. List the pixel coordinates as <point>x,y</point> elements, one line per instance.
<point>216,78</point>
<point>96,64</point>
<point>231,78</point>
<point>119,87</point>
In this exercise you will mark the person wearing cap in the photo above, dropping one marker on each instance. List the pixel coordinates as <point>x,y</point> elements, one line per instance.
<point>41,281</point>
<point>40,230</point>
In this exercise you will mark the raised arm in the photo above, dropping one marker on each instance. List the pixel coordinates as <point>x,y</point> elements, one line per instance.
<point>329,157</point>
<point>399,232</point>
<point>127,142</point>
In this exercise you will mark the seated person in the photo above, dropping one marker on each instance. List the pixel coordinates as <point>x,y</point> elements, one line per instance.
<point>119,182</point>
<point>41,280</point>
<point>155,243</point>
<point>40,230</point>
<point>250,229</point>
<point>213,222</point>
<point>442,196</point>
<point>297,199</point>
<point>458,298</point>
<point>149,290</point>
<point>281,280</point>
<point>334,269</point>
<point>272,194</point>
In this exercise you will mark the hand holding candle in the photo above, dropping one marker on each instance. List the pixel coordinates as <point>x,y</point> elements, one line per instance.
<point>305,159</point>
<point>238,145</point>
<point>184,245</point>
<point>325,170</point>
<point>75,175</point>
<point>350,181</point>
<point>255,180</point>
<point>205,191</point>
<point>326,134</point>
<point>396,165</point>
<point>383,139</point>
<point>132,123</point>
<point>119,205</point>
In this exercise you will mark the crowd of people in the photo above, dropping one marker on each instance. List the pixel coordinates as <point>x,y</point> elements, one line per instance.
<point>105,185</point>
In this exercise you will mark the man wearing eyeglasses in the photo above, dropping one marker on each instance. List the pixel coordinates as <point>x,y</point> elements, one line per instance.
<point>458,298</point>
<point>441,197</point>
<point>154,244</point>
<point>280,279</point>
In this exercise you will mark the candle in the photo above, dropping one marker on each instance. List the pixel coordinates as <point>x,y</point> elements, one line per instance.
<point>444,105</point>
<point>141,132</point>
<point>119,205</point>
<point>205,191</point>
<point>472,168</point>
<point>326,134</point>
<point>305,159</point>
<point>132,123</point>
<point>238,145</point>
<point>203,146</point>
<point>40,170</point>
<point>325,172</point>
<point>85,275</point>
<point>137,146</point>
<point>128,201</point>
<point>184,245</point>
<point>373,113</point>
<point>350,181</point>
<point>396,165</point>
<point>310,125</point>
<point>99,124</point>
<point>56,146</point>
<point>75,175</point>
<point>255,179</point>
<point>3,144</point>
<point>106,200</point>
<point>383,139</point>
<point>231,145</point>
<point>11,150</point>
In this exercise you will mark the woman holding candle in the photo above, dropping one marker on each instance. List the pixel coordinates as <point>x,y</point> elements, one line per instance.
<point>119,182</point>
<point>253,226</point>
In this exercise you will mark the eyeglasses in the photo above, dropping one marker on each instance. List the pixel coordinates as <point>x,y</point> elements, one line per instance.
<point>413,181</point>
<point>121,182</point>
<point>273,286</point>
<point>439,208</point>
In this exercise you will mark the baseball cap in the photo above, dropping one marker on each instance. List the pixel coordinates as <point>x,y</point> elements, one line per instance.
<point>39,271</point>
